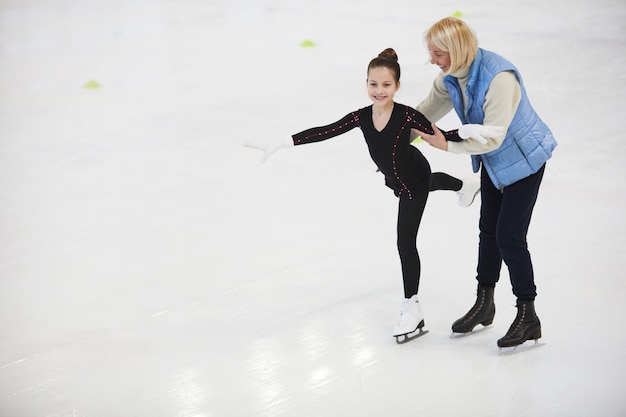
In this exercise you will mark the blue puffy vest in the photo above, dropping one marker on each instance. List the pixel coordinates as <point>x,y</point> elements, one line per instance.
<point>528,143</point>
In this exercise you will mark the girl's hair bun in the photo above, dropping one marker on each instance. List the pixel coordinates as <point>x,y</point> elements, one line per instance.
<point>389,54</point>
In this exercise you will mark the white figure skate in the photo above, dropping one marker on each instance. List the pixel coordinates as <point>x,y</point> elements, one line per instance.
<point>469,191</point>
<point>411,322</point>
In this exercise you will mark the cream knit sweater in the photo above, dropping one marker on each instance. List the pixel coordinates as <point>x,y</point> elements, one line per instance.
<point>500,105</point>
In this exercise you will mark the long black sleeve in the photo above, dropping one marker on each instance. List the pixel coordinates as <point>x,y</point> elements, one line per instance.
<point>317,134</point>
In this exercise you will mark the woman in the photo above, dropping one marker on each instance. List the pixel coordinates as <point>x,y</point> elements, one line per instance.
<point>486,89</point>
<point>386,126</point>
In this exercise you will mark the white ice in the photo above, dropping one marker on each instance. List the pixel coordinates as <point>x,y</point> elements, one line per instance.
<point>150,266</point>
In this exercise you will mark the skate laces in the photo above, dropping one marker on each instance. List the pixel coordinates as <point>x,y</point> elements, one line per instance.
<point>519,319</point>
<point>463,199</point>
<point>478,306</point>
<point>468,191</point>
<point>406,310</point>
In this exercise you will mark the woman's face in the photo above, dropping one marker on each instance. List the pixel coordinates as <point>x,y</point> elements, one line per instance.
<point>439,57</point>
<point>381,85</point>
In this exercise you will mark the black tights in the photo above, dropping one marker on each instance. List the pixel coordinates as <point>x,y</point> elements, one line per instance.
<point>410,211</point>
<point>443,181</point>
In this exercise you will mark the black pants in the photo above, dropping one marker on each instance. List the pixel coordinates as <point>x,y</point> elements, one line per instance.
<point>504,221</point>
<point>410,211</point>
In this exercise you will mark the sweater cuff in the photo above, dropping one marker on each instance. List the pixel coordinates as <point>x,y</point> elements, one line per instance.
<point>455,147</point>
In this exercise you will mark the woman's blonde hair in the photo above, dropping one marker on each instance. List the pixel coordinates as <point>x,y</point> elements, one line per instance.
<point>454,36</point>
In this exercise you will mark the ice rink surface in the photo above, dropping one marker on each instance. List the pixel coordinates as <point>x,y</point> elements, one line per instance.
<point>150,266</point>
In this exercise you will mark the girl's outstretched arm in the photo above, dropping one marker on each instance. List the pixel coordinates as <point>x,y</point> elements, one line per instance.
<point>268,147</point>
<point>315,134</point>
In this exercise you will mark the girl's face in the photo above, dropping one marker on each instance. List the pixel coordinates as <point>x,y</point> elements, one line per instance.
<point>381,85</point>
<point>439,57</point>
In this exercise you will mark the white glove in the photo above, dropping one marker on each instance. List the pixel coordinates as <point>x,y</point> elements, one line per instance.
<point>479,132</point>
<point>268,147</point>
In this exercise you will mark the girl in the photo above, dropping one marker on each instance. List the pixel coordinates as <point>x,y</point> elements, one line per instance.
<point>386,127</point>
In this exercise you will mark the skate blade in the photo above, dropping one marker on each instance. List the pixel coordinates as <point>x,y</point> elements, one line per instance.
<point>476,331</point>
<point>524,347</point>
<point>404,338</point>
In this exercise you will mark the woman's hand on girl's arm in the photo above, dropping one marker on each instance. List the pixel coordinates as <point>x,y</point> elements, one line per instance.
<point>437,139</point>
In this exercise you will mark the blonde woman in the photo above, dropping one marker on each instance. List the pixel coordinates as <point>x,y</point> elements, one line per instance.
<point>486,89</point>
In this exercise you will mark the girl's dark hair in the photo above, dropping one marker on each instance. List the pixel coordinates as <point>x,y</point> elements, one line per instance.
<point>388,59</point>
